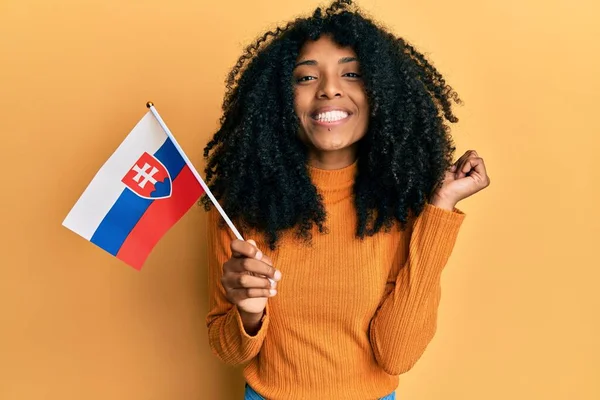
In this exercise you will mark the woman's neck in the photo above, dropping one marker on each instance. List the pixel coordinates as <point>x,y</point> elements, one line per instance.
<point>332,159</point>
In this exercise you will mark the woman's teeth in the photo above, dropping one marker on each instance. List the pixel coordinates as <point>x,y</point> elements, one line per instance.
<point>331,116</point>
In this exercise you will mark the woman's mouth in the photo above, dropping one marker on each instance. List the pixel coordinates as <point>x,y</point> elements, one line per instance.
<point>331,118</point>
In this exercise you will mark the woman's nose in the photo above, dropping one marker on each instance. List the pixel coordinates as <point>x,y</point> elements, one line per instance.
<point>330,88</point>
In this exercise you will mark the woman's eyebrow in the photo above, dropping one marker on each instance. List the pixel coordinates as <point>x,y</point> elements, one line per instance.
<point>345,60</point>
<point>342,60</point>
<point>306,62</point>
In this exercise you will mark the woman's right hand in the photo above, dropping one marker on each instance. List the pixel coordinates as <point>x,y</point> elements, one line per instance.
<point>246,280</point>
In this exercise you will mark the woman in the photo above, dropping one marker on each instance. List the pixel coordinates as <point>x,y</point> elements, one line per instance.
<point>334,160</point>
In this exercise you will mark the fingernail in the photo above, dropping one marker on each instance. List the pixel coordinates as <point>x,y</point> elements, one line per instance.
<point>258,255</point>
<point>273,283</point>
<point>277,275</point>
<point>273,292</point>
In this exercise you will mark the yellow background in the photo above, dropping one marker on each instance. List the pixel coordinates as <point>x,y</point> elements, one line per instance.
<point>520,310</point>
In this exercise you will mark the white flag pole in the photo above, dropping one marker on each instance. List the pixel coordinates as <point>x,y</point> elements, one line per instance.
<point>150,105</point>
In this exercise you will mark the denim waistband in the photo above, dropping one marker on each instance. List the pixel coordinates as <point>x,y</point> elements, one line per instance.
<point>250,394</point>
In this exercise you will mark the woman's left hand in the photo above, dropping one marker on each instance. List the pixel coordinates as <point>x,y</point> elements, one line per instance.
<point>466,177</point>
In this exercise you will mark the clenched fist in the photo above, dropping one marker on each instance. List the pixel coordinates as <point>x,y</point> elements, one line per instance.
<point>467,176</point>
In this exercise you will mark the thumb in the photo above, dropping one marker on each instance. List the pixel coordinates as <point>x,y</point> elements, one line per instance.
<point>259,254</point>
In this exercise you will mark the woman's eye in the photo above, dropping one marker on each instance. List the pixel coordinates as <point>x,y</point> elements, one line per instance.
<point>305,79</point>
<point>352,75</point>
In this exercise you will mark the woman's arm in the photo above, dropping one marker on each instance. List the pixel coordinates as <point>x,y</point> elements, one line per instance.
<point>226,334</point>
<point>406,319</point>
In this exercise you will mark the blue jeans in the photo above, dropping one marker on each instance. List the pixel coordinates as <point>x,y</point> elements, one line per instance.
<point>250,394</point>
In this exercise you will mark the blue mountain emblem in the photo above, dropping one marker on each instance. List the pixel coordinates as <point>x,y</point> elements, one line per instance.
<point>161,189</point>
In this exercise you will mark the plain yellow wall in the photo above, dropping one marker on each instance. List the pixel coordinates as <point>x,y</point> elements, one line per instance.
<point>521,306</point>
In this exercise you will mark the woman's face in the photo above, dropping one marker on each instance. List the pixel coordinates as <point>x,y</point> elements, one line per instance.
<point>330,101</point>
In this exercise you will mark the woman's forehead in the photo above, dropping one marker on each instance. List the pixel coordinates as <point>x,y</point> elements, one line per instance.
<point>323,46</point>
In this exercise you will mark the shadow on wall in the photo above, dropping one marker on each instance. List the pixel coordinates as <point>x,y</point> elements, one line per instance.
<point>173,295</point>
<point>227,382</point>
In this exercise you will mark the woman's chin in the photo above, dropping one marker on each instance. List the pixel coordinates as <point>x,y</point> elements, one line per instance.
<point>331,146</point>
<point>329,142</point>
<point>324,143</point>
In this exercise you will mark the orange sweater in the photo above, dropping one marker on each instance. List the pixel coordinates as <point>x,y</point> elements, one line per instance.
<point>350,315</point>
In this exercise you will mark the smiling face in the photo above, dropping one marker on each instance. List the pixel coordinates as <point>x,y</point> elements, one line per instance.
<point>331,102</point>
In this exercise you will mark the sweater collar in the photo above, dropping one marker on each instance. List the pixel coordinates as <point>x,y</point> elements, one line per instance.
<point>334,184</point>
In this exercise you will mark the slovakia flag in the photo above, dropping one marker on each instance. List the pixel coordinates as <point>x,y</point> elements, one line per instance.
<point>139,193</point>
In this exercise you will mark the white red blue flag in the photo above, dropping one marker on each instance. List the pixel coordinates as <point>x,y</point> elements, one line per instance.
<point>139,193</point>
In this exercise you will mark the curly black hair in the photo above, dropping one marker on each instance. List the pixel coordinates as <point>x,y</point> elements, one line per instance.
<point>257,165</point>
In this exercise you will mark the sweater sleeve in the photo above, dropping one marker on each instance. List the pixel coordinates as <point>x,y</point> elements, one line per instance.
<point>226,334</point>
<point>406,319</point>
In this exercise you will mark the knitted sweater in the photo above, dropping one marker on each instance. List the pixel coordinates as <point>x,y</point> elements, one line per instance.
<point>350,315</point>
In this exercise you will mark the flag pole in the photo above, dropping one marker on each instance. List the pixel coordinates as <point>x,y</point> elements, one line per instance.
<point>150,105</point>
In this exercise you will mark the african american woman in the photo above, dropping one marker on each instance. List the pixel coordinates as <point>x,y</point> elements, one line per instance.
<point>334,159</point>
